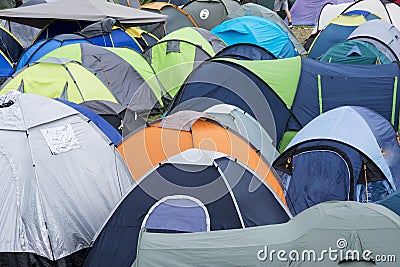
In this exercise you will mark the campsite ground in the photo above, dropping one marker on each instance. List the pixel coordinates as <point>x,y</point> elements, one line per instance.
<point>302,33</point>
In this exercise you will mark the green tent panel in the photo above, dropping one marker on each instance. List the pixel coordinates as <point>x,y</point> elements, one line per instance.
<point>59,78</point>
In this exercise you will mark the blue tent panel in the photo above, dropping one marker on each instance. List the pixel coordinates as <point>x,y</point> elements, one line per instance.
<point>246,51</point>
<point>6,69</point>
<point>392,202</point>
<point>117,38</point>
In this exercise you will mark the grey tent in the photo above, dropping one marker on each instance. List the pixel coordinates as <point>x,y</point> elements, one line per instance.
<point>76,10</point>
<point>251,9</point>
<point>349,230</point>
<point>382,35</point>
<point>5,4</point>
<point>209,13</point>
<point>60,179</point>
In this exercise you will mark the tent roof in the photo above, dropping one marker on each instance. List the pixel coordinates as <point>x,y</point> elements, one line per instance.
<point>89,10</point>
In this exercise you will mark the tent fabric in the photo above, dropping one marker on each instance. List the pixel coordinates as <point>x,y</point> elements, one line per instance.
<point>57,78</point>
<point>201,37</point>
<point>102,124</point>
<point>24,33</point>
<point>370,158</point>
<point>392,202</point>
<point>317,229</point>
<point>251,9</point>
<point>177,18</point>
<point>356,53</point>
<point>173,61</point>
<point>51,157</point>
<point>225,197</point>
<point>381,34</point>
<point>259,31</point>
<point>338,30</point>
<point>90,10</point>
<point>125,78</point>
<point>42,47</point>
<point>209,13</point>
<point>6,67</point>
<point>307,12</point>
<point>10,45</point>
<point>146,147</point>
<point>246,51</point>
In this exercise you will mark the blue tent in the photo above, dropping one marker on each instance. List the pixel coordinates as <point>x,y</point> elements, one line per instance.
<point>195,191</point>
<point>349,153</point>
<point>392,202</point>
<point>102,124</point>
<point>42,47</point>
<point>259,31</point>
<point>246,51</point>
<point>6,68</point>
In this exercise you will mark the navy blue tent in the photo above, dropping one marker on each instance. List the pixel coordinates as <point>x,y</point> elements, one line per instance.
<point>348,153</point>
<point>42,47</point>
<point>246,51</point>
<point>194,191</point>
<point>112,134</point>
<point>392,202</point>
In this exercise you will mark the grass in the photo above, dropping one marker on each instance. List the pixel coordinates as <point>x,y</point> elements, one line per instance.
<point>302,33</point>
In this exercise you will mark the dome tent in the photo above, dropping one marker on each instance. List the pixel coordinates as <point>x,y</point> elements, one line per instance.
<point>201,191</point>
<point>51,158</point>
<point>245,51</point>
<point>10,45</point>
<point>329,159</point>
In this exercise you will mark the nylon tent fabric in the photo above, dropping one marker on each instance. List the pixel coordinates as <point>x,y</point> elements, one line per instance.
<point>6,4</point>
<point>209,42</point>
<point>246,51</point>
<point>381,34</point>
<point>10,45</point>
<point>175,2</point>
<point>173,61</point>
<point>225,200</point>
<point>6,67</point>
<point>91,10</point>
<point>316,229</point>
<point>25,34</point>
<point>371,159</point>
<point>125,78</point>
<point>270,5</point>
<point>392,202</point>
<point>338,30</point>
<point>208,14</point>
<point>57,156</point>
<point>356,53</point>
<point>111,133</point>
<point>57,78</point>
<point>177,18</point>
<point>307,12</point>
<point>43,47</point>
<point>259,31</point>
<point>251,9</point>
<point>147,147</point>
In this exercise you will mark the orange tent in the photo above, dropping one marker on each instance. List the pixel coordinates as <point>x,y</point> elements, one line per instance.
<point>188,129</point>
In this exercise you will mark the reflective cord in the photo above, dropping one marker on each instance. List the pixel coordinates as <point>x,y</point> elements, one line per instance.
<point>366,181</point>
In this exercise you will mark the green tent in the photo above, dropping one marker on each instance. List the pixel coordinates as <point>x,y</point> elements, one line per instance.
<point>173,61</point>
<point>125,72</point>
<point>59,78</point>
<point>201,37</point>
<point>329,234</point>
<point>355,52</point>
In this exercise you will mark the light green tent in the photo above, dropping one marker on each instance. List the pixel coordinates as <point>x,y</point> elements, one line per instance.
<point>59,78</point>
<point>349,230</point>
<point>211,43</point>
<point>173,61</point>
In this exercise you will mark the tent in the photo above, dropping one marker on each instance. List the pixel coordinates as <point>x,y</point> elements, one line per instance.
<point>338,30</point>
<point>173,61</point>
<point>177,18</point>
<point>284,95</point>
<point>176,133</point>
<point>60,180</point>
<point>209,13</point>
<point>25,34</point>
<point>349,230</point>
<point>259,31</point>
<point>306,12</point>
<point>175,2</point>
<point>111,133</point>
<point>129,3</point>
<point>270,5</point>
<point>246,51</point>
<point>392,202</point>
<point>6,67</point>
<point>201,37</point>
<point>251,9</point>
<point>10,46</point>
<point>42,47</point>
<point>382,35</point>
<point>329,160</point>
<point>89,11</point>
<point>201,191</point>
<point>107,33</point>
<point>58,78</point>
<point>245,125</point>
<point>124,71</point>
<point>356,53</point>
<point>5,4</point>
